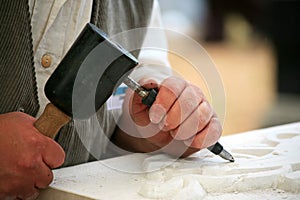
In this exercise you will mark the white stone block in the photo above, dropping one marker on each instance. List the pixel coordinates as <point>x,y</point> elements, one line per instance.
<point>267,166</point>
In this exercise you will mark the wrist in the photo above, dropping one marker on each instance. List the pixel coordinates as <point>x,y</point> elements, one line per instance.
<point>132,144</point>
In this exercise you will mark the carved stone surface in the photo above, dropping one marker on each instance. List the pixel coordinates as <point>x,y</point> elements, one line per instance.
<point>267,166</point>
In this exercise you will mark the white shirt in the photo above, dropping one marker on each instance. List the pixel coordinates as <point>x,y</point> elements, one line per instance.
<point>55,26</point>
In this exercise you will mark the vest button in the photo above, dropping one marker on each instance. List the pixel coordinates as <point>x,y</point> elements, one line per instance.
<point>20,109</point>
<point>46,61</point>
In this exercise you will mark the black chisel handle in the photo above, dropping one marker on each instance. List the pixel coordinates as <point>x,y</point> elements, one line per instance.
<point>150,98</point>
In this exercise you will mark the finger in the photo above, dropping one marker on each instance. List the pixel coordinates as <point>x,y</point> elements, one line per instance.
<point>185,105</point>
<point>23,189</point>
<point>34,196</point>
<point>169,91</point>
<point>194,123</point>
<point>137,110</point>
<point>207,137</point>
<point>34,193</point>
<point>44,176</point>
<point>53,155</point>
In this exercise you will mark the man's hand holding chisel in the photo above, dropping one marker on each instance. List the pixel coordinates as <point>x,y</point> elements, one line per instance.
<point>179,122</point>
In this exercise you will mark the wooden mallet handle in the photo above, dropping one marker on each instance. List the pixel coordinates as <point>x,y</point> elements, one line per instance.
<point>51,121</point>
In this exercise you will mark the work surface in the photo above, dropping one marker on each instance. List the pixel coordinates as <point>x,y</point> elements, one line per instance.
<point>267,166</point>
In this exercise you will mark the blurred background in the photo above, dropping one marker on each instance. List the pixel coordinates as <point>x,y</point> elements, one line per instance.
<point>255,46</point>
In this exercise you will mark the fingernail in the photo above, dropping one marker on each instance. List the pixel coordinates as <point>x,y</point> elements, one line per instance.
<point>173,134</point>
<point>157,112</point>
<point>189,141</point>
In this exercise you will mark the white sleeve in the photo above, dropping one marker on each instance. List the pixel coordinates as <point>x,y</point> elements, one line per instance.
<point>153,57</point>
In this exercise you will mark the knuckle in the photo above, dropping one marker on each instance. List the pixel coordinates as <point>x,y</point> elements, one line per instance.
<point>205,113</point>
<point>35,141</point>
<point>27,164</point>
<point>215,129</point>
<point>174,85</point>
